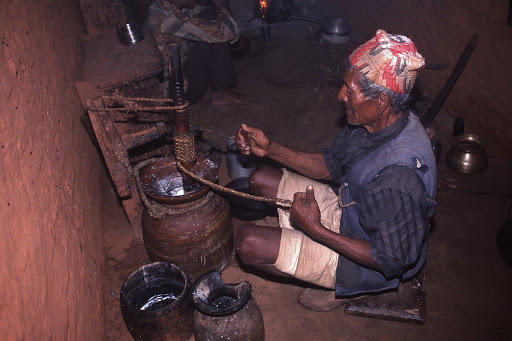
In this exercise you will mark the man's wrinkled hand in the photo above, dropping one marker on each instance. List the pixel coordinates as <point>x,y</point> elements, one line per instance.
<point>251,140</point>
<point>305,212</point>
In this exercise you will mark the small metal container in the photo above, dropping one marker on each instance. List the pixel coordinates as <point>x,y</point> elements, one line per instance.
<point>239,165</point>
<point>468,154</point>
<point>130,34</point>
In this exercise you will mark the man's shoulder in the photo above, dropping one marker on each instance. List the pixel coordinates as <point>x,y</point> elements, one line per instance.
<point>398,177</point>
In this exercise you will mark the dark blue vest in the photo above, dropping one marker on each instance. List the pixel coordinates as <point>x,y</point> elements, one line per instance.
<point>411,148</point>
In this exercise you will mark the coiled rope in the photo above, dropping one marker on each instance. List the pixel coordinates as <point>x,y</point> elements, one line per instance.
<point>275,201</point>
<point>185,152</point>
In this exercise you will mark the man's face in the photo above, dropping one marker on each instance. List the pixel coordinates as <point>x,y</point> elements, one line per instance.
<point>360,110</point>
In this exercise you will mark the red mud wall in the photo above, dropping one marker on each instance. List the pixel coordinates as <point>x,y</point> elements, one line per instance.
<point>51,242</point>
<point>441,29</point>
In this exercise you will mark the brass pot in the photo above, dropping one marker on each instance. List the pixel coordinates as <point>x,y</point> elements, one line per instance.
<point>468,154</point>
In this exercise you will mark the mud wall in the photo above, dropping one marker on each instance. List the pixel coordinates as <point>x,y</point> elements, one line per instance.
<point>441,30</point>
<point>50,196</point>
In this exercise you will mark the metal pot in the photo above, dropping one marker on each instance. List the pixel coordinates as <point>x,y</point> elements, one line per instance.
<point>333,31</point>
<point>130,34</point>
<point>468,154</point>
<point>246,209</point>
<point>239,165</point>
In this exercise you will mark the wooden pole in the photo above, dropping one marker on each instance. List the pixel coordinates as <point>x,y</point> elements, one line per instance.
<point>184,138</point>
<point>445,91</point>
<point>178,93</point>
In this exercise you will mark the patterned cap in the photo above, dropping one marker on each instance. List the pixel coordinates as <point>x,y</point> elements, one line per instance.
<point>389,60</point>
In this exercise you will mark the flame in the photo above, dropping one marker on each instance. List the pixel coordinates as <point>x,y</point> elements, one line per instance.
<point>263,8</point>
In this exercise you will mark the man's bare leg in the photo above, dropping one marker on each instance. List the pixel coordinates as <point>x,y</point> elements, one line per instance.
<point>258,246</point>
<point>265,181</point>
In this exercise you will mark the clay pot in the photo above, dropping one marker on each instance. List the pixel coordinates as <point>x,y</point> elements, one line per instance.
<point>162,182</point>
<point>225,311</point>
<point>156,303</point>
<point>200,236</point>
<point>198,240</point>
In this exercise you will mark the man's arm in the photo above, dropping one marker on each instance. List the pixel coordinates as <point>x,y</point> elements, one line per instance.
<point>254,141</point>
<point>306,214</point>
<point>395,213</point>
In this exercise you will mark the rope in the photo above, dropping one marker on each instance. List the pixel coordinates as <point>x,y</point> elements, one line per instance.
<point>184,146</point>
<point>136,107</point>
<point>340,202</point>
<point>157,108</point>
<point>139,99</point>
<point>157,210</point>
<point>229,137</point>
<point>276,201</point>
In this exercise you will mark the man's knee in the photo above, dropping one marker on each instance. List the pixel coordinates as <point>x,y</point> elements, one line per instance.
<point>265,181</point>
<point>257,244</point>
<point>247,244</point>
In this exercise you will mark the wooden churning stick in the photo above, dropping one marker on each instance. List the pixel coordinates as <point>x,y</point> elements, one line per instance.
<point>184,143</point>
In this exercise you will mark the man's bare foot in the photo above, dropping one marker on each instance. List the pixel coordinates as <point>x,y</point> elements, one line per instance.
<point>227,97</point>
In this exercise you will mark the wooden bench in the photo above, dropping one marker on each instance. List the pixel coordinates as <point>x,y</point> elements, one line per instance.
<point>407,304</point>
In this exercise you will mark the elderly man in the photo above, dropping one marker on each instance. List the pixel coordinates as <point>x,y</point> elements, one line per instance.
<point>204,33</point>
<point>363,227</point>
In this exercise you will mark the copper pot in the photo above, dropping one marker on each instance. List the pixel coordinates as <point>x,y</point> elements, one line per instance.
<point>468,154</point>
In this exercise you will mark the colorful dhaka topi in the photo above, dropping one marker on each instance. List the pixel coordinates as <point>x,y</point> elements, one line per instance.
<point>389,60</point>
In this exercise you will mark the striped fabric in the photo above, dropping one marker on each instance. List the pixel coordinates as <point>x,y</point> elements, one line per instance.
<point>395,208</point>
<point>394,212</point>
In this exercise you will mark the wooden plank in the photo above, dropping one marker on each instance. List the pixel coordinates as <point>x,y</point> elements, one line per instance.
<point>113,150</point>
<point>102,16</point>
<point>407,304</point>
<point>116,158</point>
<point>133,209</point>
<point>108,64</point>
<point>142,137</point>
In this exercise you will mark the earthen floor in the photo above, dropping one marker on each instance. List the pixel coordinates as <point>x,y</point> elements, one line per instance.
<point>291,97</point>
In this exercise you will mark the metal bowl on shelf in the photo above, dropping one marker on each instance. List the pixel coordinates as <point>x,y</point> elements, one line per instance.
<point>332,31</point>
<point>468,154</point>
<point>130,34</point>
